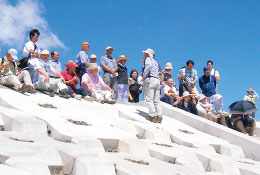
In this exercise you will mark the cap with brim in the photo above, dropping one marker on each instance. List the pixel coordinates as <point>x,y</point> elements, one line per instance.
<point>250,90</point>
<point>93,56</point>
<point>109,48</point>
<point>206,69</point>
<point>45,52</point>
<point>185,94</point>
<point>122,57</point>
<point>71,64</point>
<point>168,66</point>
<point>92,66</point>
<point>149,51</point>
<point>201,97</point>
<point>13,53</point>
<point>85,43</point>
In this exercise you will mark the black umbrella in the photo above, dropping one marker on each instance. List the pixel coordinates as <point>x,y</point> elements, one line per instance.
<point>242,107</point>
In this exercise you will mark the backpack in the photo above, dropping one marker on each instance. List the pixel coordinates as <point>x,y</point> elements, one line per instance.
<point>23,62</point>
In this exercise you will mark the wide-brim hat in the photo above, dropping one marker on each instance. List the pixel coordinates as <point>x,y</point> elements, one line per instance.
<point>92,66</point>
<point>45,52</point>
<point>71,64</point>
<point>109,48</point>
<point>250,90</point>
<point>122,57</point>
<point>93,56</point>
<point>85,43</point>
<point>168,66</point>
<point>149,51</point>
<point>13,53</point>
<point>185,94</point>
<point>201,97</point>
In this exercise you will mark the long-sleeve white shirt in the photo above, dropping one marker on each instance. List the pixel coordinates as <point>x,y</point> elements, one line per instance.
<point>251,98</point>
<point>30,46</point>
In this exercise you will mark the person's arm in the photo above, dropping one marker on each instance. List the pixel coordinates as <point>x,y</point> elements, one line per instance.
<point>148,66</point>
<point>195,77</point>
<point>41,71</point>
<point>59,75</point>
<point>256,95</point>
<point>4,64</point>
<point>84,58</point>
<point>215,81</point>
<point>217,76</point>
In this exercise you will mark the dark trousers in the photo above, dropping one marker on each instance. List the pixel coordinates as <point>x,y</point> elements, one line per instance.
<point>170,100</point>
<point>181,88</point>
<point>81,91</point>
<point>135,96</point>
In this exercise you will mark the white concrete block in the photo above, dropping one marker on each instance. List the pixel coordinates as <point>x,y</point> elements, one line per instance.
<point>133,147</point>
<point>93,166</point>
<point>28,164</point>
<point>92,144</point>
<point>7,170</point>
<point>222,165</point>
<point>157,135</point>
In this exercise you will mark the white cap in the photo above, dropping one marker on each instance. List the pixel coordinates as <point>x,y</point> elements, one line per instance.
<point>45,52</point>
<point>186,93</point>
<point>109,47</point>
<point>13,53</point>
<point>93,56</point>
<point>149,51</point>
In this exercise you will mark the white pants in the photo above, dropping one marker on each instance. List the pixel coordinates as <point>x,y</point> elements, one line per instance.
<point>208,116</point>
<point>145,87</point>
<point>100,95</point>
<point>153,96</point>
<point>13,80</point>
<point>54,83</point>
<point>122,92</point>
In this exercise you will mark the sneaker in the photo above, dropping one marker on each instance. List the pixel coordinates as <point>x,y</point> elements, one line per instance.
<point>31,90</point>
<point>158,119</point>
<point>78,97</point>
<point>64,94</point>
<point>151,119</point>
<point>88,98</point>
<point>109,101</point>
<point>51,92</point>
<point>24,88</point>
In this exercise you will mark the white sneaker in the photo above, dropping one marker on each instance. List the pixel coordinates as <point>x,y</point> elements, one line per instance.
<point>78,97</point>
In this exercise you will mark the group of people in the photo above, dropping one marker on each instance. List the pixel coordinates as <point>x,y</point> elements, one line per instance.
<point>36,71</point>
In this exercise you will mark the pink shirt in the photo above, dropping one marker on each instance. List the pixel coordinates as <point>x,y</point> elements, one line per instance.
<point>95,82</point>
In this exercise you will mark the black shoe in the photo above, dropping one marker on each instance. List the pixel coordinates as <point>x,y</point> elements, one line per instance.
<point>151,119</point>
<point>64,94</point>
<point>51,92</point>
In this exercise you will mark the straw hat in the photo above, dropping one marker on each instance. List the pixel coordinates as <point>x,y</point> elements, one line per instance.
<point>109,48</point>
<point>45,52</point>
<point>250,90</point>
<point>93,66</point>
<point>186,93</point>
<point>149,51</point>
<point>93,56</point>
<point>168,66</point>
<point>71,64</point>
<point>201,97</point>
<point>85,43</point>
<point>122,57</point>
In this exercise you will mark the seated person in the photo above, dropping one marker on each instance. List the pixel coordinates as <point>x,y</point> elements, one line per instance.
<point>135,87</point>
<point>9,74</point>
<point>169,94</point>
<point>40,70</point>
<point>187,103</point>
<point>244,124</point>
<point>71,80</point>
<point>94,82</point>
<point>204,109</point>
<point>166,73</point>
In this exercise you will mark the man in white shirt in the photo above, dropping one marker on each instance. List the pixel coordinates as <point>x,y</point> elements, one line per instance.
<point>54,62</point>
<point>169,93</point>
<point>30,49</point>
<point>213,71</point>
<point>42,80</point>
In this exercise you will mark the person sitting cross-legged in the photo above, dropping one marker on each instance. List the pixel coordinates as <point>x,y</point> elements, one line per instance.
<point>169,94</point>
<point>94,82</point>
<point>187,103</point>
<point>40,70</point>
<point>9,74</point>
<point>71,80</point>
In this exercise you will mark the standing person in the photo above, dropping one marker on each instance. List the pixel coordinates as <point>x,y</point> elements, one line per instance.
<point>134,87</point>
<point>251,96</point>
<point>152,83</point>
<point>214,72</point>
<point>109,67</point>
<point>82,60</point>
<point>207,83</point>
<point>41,79</point>
<point>71,80</point>
<point>122,79</point>
<point>9,74</point>
<point>54,62</point>
<point>93,59</point>
<point>187,78</point>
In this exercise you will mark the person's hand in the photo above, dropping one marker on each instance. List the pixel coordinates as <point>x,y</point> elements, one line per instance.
<point>179,99</point>
<point>31,51</point>
<point>6,63</point>
<point>140,88</point>
<point>75,79</point>
<point>62,79</point>
<point>90,89</point>
<point>183,76</point>
<point>46,79</point>
<point>112,91</point>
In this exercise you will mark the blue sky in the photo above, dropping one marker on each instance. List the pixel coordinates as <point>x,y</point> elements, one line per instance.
<point>227,32</point>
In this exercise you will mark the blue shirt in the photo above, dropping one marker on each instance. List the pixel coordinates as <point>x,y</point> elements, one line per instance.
<point>82,58</point>
<point>190,75</point>
<point>151,68</point>
<point>108,61</point>
<point>208,85</point>
<point>56,65</point>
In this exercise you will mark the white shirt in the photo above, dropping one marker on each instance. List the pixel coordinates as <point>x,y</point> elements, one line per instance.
<point>30,46</point>
<point>166,90</point>
<point>38,63</point>
<point>214,73</point>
